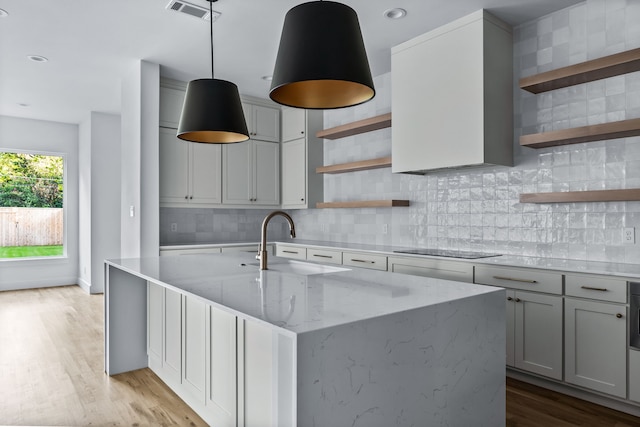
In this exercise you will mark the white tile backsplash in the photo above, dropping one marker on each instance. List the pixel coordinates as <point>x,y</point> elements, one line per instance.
<point>478,209</point>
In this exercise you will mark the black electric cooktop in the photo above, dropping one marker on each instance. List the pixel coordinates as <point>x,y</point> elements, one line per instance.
<point>447,253</point>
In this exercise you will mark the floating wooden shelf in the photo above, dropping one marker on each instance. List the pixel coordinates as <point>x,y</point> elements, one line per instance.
<point>632,194</point>
<point>363,204</point>
<point>355,128</point>
<point>608,66</point>
<point>383,162</point>
<point>600,132</point>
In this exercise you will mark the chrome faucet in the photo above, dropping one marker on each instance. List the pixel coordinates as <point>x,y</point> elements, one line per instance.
<point>262,250</point>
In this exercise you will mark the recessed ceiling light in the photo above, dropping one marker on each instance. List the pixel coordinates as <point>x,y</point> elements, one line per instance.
<point>37,58</point>
<point>395,13</point>
<point>3,13</point>
<point>22,104</point>
<point>267,78</point>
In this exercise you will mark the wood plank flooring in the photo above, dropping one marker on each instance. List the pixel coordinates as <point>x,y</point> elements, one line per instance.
<point>52,367</point>
<point>52,373</point>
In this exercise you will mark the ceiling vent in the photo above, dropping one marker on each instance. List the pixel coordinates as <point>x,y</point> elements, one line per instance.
<point>192,10</point>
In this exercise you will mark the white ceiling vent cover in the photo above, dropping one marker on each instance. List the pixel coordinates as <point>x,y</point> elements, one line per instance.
<point>192,9</point>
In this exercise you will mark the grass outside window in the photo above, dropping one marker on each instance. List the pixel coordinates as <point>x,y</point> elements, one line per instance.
<point>30,251</point>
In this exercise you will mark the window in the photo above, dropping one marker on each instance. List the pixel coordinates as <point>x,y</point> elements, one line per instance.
<point>31,205</point>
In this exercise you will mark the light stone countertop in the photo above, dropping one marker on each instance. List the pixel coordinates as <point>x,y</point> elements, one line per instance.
<point>293,302</point>
<point>631,271</point>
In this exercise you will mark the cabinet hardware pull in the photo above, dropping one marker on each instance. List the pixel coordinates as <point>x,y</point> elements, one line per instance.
<point>322,256</point>
<point>619,316</point>
<point>302,200</point>
<point>509,299</point>
<point>190,197</point>
<point>289,252</point>
<point>363,260</point>
<point>594,289</point>
<point>186,197</point>
<point>518,300</point>
<point>514,280</point>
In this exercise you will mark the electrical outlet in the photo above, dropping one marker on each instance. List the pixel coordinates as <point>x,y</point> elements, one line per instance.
<point>385,228</point>
<point>629,235</point>
<point>174,226</point>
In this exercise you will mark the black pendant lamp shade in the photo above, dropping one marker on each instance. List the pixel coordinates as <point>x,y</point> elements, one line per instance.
<point>321,62</point>
<point>212,112</point>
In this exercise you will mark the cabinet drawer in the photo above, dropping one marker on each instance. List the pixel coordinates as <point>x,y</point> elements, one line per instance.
<point>602,288</point>
<point>439,269</point>
<point>293,252</point>
<point>173,252</point>
<point>520,278</point>
<point>358,259</point>
<point>324,256</point>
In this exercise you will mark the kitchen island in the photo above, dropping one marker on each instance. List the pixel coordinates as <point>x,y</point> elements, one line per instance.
<point>308,345</point>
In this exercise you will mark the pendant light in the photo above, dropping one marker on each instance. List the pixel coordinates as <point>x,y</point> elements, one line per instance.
<point>321,62</point>
<point>212,111</point>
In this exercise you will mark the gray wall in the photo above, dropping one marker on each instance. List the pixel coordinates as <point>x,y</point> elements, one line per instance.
<point>55,139</point>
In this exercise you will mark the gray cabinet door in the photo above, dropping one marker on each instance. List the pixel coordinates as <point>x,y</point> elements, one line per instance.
<point>596,346</point>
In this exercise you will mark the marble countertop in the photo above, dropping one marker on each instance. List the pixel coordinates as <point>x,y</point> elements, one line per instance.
<point>293,302</point>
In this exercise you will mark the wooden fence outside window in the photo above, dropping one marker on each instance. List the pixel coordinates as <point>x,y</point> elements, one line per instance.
<point>31,226</point>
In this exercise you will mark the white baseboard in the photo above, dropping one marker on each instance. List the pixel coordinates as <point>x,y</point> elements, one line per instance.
<point>34,284</point>
<point>86,286</point>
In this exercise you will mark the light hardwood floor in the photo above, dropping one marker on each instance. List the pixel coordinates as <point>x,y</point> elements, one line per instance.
<point>51,373</point>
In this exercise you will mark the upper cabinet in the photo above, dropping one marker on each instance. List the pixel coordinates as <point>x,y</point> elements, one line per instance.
<point>263,121</point>
<point>171,99</point>
<point>302,153</point>
<point>251,174</point>
<point>452,97</point>
<point>189,173</point>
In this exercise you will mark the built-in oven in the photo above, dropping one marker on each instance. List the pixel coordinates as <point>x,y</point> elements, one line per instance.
<point>634,319</point>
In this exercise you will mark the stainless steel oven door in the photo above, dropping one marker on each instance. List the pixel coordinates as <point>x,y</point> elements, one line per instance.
<point>634,319</point>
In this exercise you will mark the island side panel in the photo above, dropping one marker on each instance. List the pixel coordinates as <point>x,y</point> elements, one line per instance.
<point>125,321</point>
<point>442,365</point>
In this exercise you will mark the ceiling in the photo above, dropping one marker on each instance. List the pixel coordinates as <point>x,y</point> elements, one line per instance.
<point>91,44</point>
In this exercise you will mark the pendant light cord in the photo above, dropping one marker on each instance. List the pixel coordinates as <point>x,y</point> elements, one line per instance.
<point>211,32</point>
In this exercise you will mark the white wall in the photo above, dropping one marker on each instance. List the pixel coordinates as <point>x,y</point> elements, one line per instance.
<point>56,139</point>
<point>100,185</point>
<point>139,157</point>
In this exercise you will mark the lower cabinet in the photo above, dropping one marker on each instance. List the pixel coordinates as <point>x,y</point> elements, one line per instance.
<point>229,370</point>
<point>534,333</point>
<point>596,346</point>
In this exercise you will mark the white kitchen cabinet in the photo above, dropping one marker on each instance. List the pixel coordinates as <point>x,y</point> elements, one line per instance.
<point>155,316</point>
<point>190,173</point>
<point>511,328</point>
<point>172,94</point>
<point>172,337</point>
<point>251,174</point>
<point>596,346</point>
<point>194,347</point>
<point>164,333</point>
<point>294,123</point>
<point>634,374</point>
<point>222,365</point>
<point>364,260</point>
<point>302,153</point>
<point>452,96</point>
<point>263,122</point>
<point>537,332</point>
<point>449,270</point>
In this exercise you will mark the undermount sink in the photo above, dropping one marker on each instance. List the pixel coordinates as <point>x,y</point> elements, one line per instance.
<point>302,268</point>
